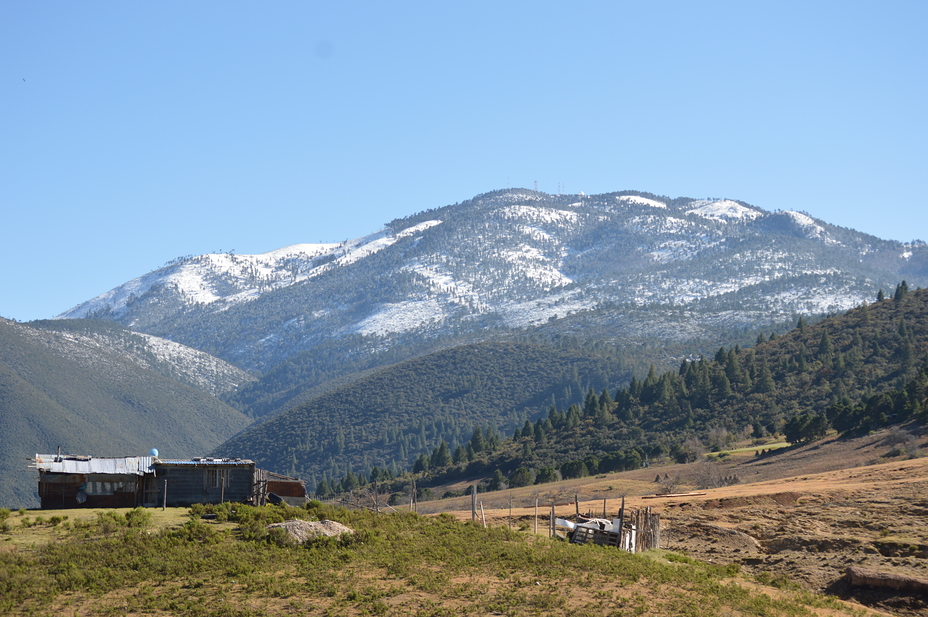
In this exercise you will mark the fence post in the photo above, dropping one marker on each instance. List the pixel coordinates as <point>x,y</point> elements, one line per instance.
<point>551,521</point>
<point>536,517</point>
<point>510,509</point>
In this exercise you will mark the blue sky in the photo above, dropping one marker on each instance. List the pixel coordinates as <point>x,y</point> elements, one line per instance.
<point>147,131</point>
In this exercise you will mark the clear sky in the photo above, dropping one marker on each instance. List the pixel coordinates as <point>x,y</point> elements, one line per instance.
<point>132,133</point>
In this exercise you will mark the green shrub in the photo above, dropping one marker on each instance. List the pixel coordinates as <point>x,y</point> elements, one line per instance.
<point>197,531</point>
<point>139,518</point>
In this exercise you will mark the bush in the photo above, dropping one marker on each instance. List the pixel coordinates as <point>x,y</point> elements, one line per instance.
<point>139,518</point>
<point>546,474</point>
<point>520,477</point>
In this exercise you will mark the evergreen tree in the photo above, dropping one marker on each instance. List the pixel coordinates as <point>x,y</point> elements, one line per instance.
<point>422,464</point>
<point>497,481</point>
<point>591,404</point>
<point>441,456</point>
<point>902,291</point>
<point>825,347</point>
<point>477,441</point>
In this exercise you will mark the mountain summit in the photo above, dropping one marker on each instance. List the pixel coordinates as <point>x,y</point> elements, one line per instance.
<point>626,265</point>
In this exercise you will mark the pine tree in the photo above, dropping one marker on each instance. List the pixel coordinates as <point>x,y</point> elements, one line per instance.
<point>441,456</point>
<point>591,404</point>
<point>477,442</point>
<point>902,291</point>
<point>422,464</point>
<point>497,481</point>
<point>825,348</point>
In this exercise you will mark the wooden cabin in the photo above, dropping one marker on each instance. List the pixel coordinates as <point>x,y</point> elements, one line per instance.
<point>68,481</point>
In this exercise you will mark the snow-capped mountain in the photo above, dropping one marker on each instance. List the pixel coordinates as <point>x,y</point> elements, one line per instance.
<point>624,265</point>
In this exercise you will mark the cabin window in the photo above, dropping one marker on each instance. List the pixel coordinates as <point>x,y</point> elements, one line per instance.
<point>217,478</point>
<point>105,488</point>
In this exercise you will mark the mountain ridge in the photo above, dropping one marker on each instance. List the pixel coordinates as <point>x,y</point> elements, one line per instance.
<point>508,261</point>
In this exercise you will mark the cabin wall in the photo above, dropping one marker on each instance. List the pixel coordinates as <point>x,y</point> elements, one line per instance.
<point>60,490</point>
<point>189,484</point>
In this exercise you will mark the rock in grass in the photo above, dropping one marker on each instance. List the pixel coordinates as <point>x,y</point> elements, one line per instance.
<point>301,531</point>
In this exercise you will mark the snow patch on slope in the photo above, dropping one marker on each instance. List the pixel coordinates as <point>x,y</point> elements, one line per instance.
<point>536,214</point>
<point>640,201</point>
<point>540,310</point>
<point>658,224</point>
<point>723,210</point>
<point>532,264</point>
<point>402,317</point>
<point>810,228</point>
<point>439,281</point>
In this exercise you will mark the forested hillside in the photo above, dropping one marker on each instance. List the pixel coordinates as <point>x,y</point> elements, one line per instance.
<point>56,389</point>
<point>387,418</point>
<point>854,372</point>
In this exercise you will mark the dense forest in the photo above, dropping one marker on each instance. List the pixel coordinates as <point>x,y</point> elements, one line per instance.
<point>387,418</point>
<point>854,373</point>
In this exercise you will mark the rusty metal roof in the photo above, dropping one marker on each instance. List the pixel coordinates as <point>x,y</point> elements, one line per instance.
<point>122,465</point>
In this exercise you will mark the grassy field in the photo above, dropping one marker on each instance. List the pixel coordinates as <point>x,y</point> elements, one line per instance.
<point>133,562</point>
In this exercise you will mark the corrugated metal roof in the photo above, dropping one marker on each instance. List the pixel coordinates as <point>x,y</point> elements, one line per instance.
<point>206,461</point>
<point>123,465</point>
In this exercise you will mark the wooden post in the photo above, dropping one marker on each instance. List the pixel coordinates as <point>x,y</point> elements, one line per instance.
<point>483,515</point>
<point>551,521</point>
<point>536,517</point>
<point>164,504</point>
<point>510,510</point>
<point>622,521</point>
<point>577,506</point>
<point>605,514</point>
<point>473,503</point>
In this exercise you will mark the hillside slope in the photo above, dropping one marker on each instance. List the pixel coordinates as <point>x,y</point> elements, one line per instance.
<point>58,388</point>
<point>855,372</point>
<point>387,418</point>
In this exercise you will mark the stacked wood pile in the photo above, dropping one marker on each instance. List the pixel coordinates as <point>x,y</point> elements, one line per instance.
<point>634,531</point>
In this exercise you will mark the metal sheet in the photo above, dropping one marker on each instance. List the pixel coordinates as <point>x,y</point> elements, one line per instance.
<point>207,462</point>
<point>124,465</point>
